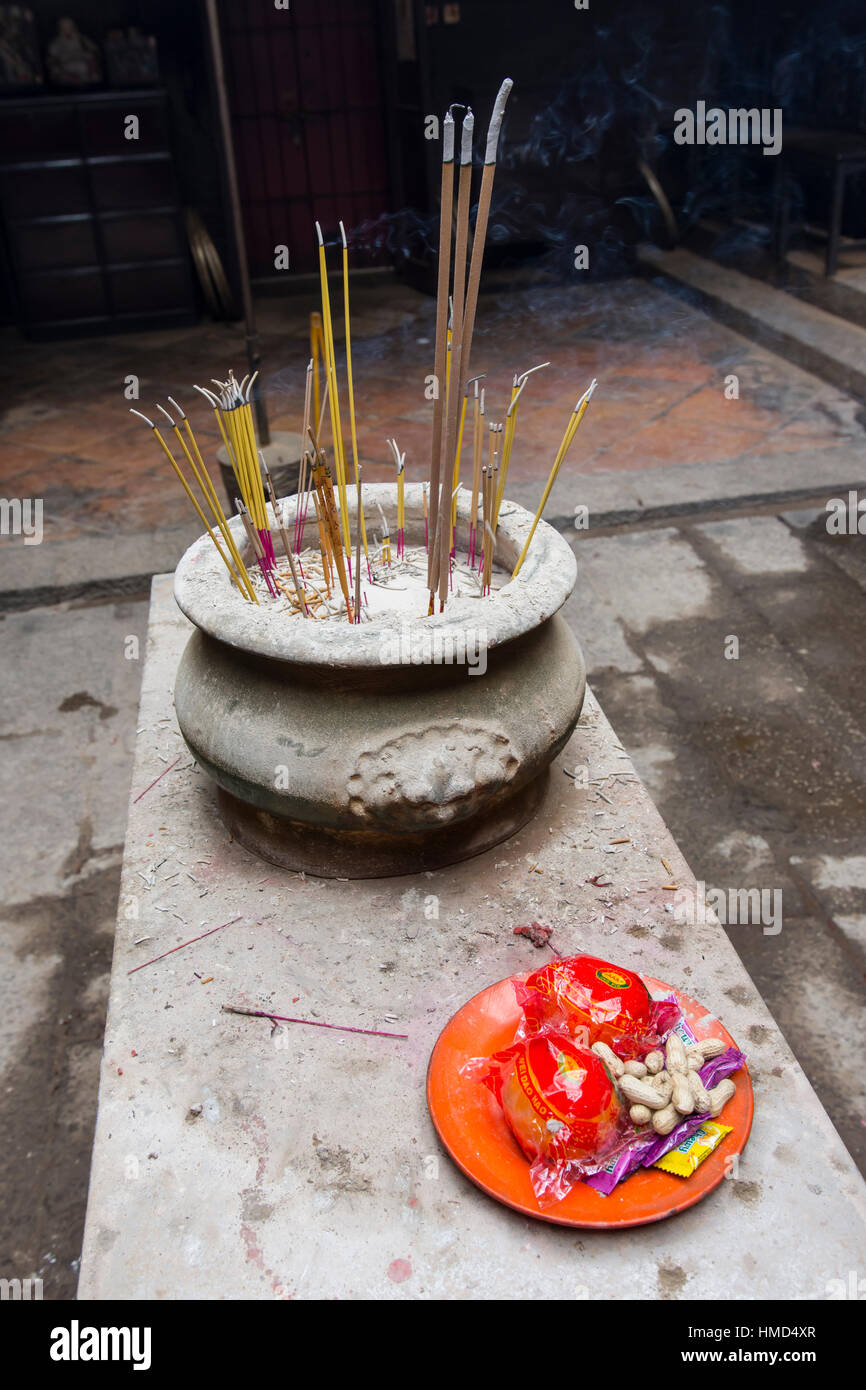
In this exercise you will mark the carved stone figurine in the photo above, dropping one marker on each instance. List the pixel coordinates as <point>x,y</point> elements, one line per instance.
<point>73,59</point>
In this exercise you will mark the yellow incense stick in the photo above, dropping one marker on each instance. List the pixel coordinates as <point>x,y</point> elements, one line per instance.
<point>236,454</point>
<point>206,487</point>
<point>571,431</point>
<point>188,490</point>
<point>400,503</point>
<point>351,384</point>
<point>330,366</point>
<point>258,488</point>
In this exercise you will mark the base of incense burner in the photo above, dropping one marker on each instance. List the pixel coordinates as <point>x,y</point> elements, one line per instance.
<point>373,854</point>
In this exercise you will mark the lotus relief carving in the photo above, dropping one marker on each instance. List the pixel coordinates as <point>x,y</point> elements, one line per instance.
<point>442,773</point>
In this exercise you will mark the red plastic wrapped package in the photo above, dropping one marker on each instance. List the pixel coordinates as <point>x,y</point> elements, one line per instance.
<point>562,1107</point>
<point>594,1001</point>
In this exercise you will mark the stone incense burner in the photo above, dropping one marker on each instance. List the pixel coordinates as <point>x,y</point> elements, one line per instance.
<point>401,744</point>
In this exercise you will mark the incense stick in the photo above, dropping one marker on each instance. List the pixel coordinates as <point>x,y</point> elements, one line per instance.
<point>331,368</point>
<point>208,491</point>
<point>361,537</point>
<point>287,545</point>
<point>187,489</point>
<point>442,531</point>
<point>350,380</point>
<point>446,204</point>
<point>477,441</point>
<point>571,430</point>
<point>303,495</point>
<point>315,356</point>
<point>465,331</point>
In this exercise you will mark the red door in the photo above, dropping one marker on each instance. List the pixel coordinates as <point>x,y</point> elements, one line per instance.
<point>307,110</point>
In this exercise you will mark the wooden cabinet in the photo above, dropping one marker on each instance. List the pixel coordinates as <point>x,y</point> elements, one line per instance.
<point>92,220</point>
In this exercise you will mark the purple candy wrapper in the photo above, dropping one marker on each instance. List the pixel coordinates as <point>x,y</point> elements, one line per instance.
<point>646,1151</point>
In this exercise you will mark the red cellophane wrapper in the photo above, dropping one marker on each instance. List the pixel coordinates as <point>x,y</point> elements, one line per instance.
<point>562,1107</point>
<point>594,1001</point>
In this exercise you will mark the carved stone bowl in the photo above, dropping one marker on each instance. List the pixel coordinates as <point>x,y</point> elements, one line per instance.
<point>402,744</point>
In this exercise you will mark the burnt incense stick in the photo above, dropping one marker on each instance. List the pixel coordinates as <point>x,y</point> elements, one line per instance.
<point>446,205</point>
<point>463,347</point>
<point>287,544</point>
<point>316,337</point>
<point>322,476</point>
<point>252,537</point>
<point>386,536</point>
<point>274,1019</point>
<point>183,944</point>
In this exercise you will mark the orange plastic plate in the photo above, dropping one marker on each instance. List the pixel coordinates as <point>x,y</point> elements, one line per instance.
<point>473,1128</point>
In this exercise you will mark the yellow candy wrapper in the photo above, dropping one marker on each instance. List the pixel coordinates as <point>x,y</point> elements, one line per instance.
<point>690,1154</point>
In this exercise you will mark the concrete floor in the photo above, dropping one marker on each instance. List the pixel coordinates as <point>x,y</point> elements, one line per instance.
<point>756,763</point>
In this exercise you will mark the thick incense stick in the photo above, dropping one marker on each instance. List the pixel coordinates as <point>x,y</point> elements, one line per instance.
<point>448,337</point>
<point>456,387</point>
<point>573,426</point>
<point>464,183</point>
<point>445,213</point>
<point>463,352</point>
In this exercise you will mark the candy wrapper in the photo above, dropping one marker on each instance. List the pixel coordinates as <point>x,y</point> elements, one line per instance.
<point>562,1107</point>
<point>690,1153</point>
<point>594,1001</point>
<point>645,1150</point>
